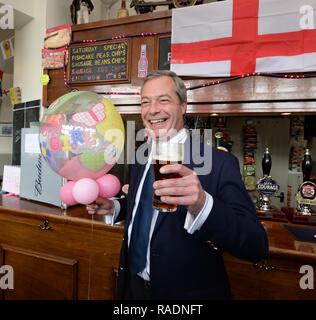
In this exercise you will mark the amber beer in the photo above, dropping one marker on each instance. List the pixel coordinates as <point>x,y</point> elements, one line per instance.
<point>166,153</point>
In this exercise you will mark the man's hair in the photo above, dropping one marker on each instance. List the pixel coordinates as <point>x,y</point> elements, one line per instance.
<point>181,90</point>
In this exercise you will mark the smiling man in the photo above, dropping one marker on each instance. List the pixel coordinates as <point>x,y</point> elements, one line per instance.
<point>178,255</point>
<point>162,105</point>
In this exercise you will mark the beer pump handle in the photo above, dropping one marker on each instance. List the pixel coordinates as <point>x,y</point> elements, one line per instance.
<point>218,138</point>
<point>266,163</point>
<point>307,166</point>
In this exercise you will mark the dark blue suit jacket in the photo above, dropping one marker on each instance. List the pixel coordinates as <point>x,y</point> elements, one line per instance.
<point>185,266</point>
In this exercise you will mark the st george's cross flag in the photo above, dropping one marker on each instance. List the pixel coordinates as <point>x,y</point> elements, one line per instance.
<point>238,37</point>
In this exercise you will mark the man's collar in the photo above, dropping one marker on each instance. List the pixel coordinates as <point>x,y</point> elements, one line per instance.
<point>180,137</point>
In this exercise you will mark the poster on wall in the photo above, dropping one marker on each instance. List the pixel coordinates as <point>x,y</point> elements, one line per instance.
<point>15,95</point>
<point>164,53</point>
<point>7,48</point>
<point>6,129</point>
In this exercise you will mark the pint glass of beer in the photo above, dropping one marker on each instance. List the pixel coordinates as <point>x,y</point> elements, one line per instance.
<point>166,153</point>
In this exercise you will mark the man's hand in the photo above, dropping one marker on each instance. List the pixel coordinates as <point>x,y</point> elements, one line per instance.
<point>186,190</point>
<point>101,206</point>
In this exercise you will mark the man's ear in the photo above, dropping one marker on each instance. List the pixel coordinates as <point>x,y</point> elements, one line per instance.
<point>184,108</point>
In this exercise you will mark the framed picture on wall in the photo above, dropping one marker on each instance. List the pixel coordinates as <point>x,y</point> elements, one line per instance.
<point>6,129</point>
<point>164,52</point>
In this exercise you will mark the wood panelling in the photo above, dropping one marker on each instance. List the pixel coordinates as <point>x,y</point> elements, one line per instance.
<point>279,276</point>
<point>33,270</point>
<point>74,247</point>
<point>254,89</point>
<point>158,22</point>
<point>76,258</point>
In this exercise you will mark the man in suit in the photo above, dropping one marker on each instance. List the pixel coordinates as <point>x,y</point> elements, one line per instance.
<point>183,255</point>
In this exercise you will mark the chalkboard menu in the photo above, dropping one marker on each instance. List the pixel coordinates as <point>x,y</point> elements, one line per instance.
<point>99,62</point>
<point>164,53</point>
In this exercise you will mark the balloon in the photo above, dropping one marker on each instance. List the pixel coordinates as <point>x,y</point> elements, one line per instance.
<point>66,194</point>
<point>85,191</point>
<point>109,186</point>
<point>74,170</point>
<point>81,135</point>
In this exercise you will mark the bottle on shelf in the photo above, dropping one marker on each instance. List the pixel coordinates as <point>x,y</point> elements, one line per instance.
<point>123,12</point>
<point>142,62</point>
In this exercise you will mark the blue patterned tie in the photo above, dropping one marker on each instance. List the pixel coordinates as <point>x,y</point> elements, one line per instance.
<point>140,232</point>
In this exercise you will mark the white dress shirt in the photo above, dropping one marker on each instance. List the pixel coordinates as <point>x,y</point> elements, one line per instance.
<point>192,222</point>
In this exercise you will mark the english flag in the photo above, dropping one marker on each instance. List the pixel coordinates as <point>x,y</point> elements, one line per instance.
<point>237,37</point>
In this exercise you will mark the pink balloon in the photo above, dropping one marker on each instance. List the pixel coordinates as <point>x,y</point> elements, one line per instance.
<point>74,170</point>
<point>85,191</point>
<point>66,194</point>
<point>109,186</point>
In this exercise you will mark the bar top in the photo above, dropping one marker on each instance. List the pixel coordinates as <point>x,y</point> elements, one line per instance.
<point>75,214</point>
<point>281,242</point>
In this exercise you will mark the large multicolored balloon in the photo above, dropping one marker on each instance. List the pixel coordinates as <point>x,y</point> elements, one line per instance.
<point>81,135</point>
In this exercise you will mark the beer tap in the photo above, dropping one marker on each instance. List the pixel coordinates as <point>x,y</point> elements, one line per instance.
<point>307,188</point>
<point>266,186</point>
<point>266,163</point>
<point>266,168</point>
<point>307,165</point>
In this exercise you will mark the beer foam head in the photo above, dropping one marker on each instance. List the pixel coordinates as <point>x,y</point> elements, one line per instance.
<point>168,151</point>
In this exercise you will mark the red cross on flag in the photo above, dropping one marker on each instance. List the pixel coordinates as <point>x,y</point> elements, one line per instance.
<point>236,37</point>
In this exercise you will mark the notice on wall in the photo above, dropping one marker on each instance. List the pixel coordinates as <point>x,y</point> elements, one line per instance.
<point>32,143</point>
<point>99,62</point>
<point>11,179</point>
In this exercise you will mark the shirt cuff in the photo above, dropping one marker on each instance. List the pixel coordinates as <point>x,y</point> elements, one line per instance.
<point>195,222</point>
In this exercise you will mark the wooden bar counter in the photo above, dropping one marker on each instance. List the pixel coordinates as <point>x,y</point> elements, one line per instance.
<point>68,255</point>
<point>278,277</point>
<point>57,254</point>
